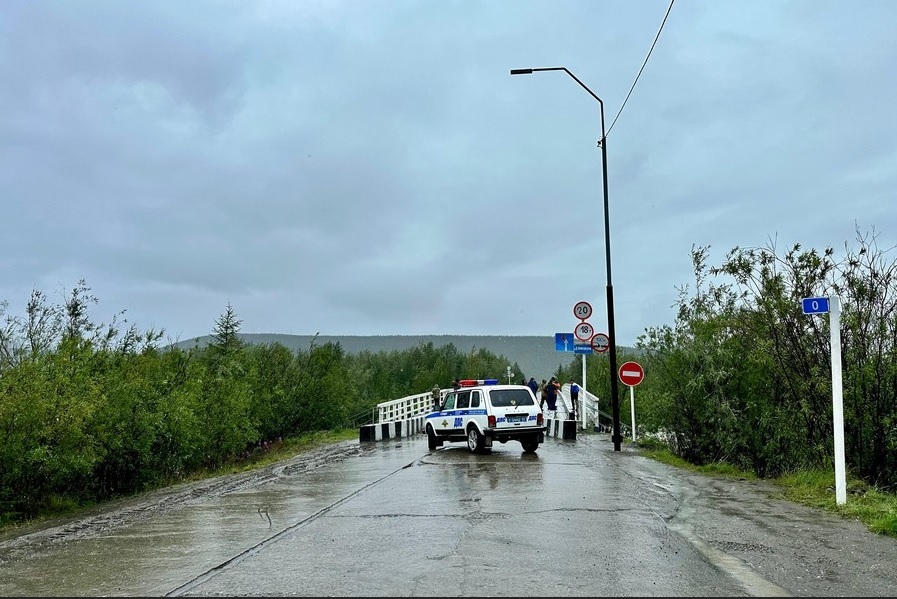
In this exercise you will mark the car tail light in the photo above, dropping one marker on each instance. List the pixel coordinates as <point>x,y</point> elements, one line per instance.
<point>491,421</point>
<point>539,419</point>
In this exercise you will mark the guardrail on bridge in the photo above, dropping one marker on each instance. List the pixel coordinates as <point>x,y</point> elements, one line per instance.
<point>404,417</point>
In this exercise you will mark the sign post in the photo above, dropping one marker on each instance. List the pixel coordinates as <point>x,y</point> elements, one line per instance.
<point>820,305</point>
<point>631,374</point>
<point>583,332</point>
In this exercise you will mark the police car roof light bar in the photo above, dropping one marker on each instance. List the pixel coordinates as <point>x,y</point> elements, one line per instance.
<point>475,382</point>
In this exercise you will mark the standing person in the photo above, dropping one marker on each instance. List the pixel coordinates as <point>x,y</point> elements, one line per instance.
<point>551,397</point>
<point>574,396</point>
<point>543,394</point>
<point>456,384</point>
<point>437,397</point>
<point>533,385</point>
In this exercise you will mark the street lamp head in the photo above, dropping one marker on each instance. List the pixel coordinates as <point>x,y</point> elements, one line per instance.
<point>575,78</point>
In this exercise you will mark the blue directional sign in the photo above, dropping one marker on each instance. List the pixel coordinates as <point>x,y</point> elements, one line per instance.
<point>582,348</point>
<point>563,342</point>
<point>815,305</point>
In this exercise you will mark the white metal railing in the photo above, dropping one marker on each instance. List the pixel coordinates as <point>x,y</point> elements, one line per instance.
<point>587,411</point>
<point>405,408</point>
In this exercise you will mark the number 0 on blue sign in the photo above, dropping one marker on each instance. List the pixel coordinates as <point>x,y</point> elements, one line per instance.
<point>815,305</point>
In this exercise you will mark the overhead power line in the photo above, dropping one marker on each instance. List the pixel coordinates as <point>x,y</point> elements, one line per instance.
<point>656,37</point>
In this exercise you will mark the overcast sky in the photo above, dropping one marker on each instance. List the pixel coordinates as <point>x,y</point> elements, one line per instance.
<point>370,167</point>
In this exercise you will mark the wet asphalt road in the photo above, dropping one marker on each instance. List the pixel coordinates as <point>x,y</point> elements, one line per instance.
<point>393,519</point>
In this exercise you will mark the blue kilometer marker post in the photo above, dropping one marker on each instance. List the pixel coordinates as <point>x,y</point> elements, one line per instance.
<point>815,305</point>
<point>820,305</point>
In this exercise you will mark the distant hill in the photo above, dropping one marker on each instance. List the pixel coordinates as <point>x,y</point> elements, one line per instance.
<point>535,355</point>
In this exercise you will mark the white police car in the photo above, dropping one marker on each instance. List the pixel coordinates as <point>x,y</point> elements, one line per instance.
<point>482,411</point>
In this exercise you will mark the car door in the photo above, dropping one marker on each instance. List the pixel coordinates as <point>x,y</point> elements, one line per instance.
<point>461,413</point>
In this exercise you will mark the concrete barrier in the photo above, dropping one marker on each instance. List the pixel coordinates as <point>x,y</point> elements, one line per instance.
<point>565,429</point>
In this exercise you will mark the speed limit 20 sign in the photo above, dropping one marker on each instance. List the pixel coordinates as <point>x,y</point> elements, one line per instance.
<point>582,310</point>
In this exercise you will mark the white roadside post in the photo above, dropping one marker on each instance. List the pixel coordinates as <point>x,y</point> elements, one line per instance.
<point>631,374</point>
<point>832,305</point>
<point>838,401</point>
<point>583,311</point>
<point>581,398</point>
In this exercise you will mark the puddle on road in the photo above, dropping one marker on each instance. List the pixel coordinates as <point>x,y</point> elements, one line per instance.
<point>164,548</point>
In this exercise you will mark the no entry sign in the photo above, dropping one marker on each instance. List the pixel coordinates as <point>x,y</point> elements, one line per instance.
<point>631,373</point>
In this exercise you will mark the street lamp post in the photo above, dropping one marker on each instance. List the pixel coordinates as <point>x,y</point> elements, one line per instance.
<point>617,438</point>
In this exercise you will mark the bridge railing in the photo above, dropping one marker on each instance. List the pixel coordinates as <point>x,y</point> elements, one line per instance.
<point>409,411</point>
<point>419,404</point>
<point>587,412</point>
<point>406,408</point>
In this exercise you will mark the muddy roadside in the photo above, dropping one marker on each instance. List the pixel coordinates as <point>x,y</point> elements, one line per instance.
<point>19,541</point>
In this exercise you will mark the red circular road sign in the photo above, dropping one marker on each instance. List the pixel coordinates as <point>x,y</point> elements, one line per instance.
<point>582,310</point>
<point>584,331</point>
<point>631,373</point>
<point>600,343</point>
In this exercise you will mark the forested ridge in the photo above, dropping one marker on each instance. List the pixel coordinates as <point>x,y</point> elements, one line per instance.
<point>534,355</point>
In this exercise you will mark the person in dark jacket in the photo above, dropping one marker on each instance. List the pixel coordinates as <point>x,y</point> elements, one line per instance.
<point>533,385</point>
<point>551,396</point>
<point>574,398</point>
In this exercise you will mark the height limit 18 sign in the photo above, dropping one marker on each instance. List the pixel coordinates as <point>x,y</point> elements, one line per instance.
<point>584,331</point>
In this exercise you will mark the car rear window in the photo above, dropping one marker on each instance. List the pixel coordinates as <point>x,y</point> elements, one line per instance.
<point>505,398</point>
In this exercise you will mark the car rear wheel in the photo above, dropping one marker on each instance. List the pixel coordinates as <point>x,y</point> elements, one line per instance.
<point>530,444</point>
<point>475,441</point>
